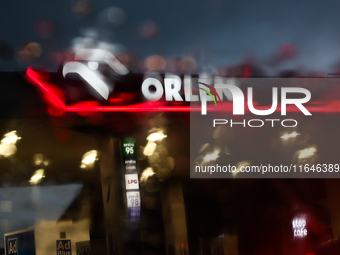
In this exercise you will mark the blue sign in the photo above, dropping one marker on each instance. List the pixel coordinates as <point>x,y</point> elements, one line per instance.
<point>20,243</point>
<point>64,247</point>
<point>134,214</point>
<point>13,246</point>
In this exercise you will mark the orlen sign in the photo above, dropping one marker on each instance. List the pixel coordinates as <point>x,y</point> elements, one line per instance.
<point>160,94</point>
<point>152,88</point>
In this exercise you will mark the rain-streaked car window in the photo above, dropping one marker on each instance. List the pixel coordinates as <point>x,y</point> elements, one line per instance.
<point>205,127</point>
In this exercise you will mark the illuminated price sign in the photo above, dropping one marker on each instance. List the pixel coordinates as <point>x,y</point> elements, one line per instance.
<point>133,199</point>
<point>131,181</point>
<point>129,155</point>
<point>129,147</point>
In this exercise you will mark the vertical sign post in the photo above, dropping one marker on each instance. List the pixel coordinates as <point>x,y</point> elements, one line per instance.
<point>131,179</point>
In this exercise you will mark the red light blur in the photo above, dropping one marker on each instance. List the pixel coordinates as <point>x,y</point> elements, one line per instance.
<point>53,97</point>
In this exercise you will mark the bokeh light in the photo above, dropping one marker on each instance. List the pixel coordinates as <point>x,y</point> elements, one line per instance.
<point>287,51</point>
<point>44,28</point>
<point>37,177</point>
<point>89,159</point>
<point>149,29</point>
<point>7,144</point>
<point>155,63</point>
<point>148,172</point>
<point>113,16</point>
<point>187,64</point>
<point>32,50</point>
<point>81,7</point>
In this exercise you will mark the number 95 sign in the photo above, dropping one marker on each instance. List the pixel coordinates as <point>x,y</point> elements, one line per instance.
<point>133,199</point>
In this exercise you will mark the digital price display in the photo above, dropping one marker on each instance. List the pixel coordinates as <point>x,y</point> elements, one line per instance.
<point>129,155</point>
<point>129,147</point>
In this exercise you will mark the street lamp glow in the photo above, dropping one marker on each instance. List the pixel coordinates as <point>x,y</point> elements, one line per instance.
<point>212,156</point>
<point>37,177</point>
<point>148,172</point>
<point>291,135</point>
<point>157,136</point>
<point>11,137</point>
<point>150,148</point>
<point>7,144</point>
<point>88,159</point>
<point>239,166</point>
<point>306,153</point>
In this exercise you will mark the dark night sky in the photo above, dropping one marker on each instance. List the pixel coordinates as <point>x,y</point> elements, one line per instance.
<point>215,32</point>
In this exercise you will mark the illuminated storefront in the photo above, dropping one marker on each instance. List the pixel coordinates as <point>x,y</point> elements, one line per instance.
<point>134,166</point>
